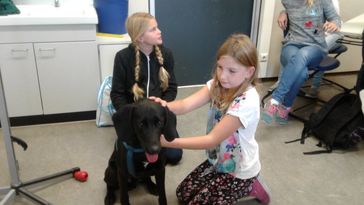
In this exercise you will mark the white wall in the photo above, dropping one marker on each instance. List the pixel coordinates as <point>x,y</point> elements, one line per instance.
<point>350,60</point>
<point>138,5</point>
<point>134,5</point>
<point>264,36</point>
<point>51,2</point>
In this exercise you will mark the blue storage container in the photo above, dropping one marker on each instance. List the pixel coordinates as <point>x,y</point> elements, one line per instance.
<point>111,15</point>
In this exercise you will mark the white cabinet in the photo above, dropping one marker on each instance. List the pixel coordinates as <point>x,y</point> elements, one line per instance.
<point>49,61</point>
<point>49,69</point>
<point>68,76</point>
<point>108,47</point>
<point>107,56</point>
<point>20,79</point>
<point>49,78</point>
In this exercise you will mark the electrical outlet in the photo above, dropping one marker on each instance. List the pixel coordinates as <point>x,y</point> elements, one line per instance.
<point>263,57</point>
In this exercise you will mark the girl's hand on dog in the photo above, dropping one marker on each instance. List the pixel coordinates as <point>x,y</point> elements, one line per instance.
<point>158,100</point>
<point>164,142</point>
<point>171,144</point>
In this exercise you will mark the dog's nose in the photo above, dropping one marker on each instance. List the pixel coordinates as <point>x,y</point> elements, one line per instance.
<point>154,149</point>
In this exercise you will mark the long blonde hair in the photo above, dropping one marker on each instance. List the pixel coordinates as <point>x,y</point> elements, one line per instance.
<point>136,25</point>
<point>310,2</point>
<point>243,50</point>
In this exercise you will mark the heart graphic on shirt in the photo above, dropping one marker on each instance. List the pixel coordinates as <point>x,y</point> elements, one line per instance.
<point>308,24</point>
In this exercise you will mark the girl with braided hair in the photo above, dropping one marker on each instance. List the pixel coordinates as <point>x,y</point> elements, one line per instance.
<point>143,69</point>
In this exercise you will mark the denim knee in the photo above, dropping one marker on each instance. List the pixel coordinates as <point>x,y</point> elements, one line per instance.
<point>173,155</point>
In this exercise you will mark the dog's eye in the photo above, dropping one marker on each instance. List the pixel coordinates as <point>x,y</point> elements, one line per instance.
<point>158,123</point>
<point>141,124</point>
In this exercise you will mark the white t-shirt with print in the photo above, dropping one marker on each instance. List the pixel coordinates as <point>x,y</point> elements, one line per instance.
<point>238,155</point>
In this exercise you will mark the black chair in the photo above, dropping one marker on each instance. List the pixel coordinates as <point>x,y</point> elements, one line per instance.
<point>331,63</point>
<point>360,80</point>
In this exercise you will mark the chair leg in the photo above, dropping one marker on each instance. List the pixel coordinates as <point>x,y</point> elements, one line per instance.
<point>262,102</point>
<point>337,84</point>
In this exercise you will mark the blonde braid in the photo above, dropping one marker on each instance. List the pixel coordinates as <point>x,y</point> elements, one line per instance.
<point>163,74</point>
<point>137,91</point>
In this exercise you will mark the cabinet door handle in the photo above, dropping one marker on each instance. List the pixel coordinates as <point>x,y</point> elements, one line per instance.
<point>47,52</point>
<point>19,53</point>
<point>19,50</point>
<point>47,49</point>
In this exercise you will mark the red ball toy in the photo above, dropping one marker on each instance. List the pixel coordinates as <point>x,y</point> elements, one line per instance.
<point>80,176</point>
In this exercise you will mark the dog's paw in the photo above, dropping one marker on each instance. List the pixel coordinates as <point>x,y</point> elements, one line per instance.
<point>151,186</point>
<point>109,198</point>
<point>132,184</point>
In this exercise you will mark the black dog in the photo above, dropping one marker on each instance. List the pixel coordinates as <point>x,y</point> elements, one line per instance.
<point>139,127</point>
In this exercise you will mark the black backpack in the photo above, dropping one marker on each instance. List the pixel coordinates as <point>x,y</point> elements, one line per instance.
<point>339,124</point>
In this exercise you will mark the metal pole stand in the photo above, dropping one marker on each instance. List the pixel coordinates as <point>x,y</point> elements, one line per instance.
<point>17,187</point>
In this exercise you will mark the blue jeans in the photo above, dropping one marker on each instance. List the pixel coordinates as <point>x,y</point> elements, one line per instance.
<point>173,155</point>
<point>295,60</point>
<point>331,45</point>
<point>316,79</point>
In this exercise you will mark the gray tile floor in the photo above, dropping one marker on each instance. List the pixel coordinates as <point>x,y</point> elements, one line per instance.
<point>293,178</point>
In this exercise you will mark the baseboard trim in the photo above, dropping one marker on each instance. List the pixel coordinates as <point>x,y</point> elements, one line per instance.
<point>53,118</point>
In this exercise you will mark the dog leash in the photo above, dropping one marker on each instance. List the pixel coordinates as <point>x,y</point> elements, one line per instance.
<point>129,157</point>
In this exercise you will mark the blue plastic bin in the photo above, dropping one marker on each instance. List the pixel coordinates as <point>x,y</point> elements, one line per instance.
<point>111,15</point>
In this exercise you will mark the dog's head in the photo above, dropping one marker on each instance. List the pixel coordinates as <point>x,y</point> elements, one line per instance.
<point>141,125</point>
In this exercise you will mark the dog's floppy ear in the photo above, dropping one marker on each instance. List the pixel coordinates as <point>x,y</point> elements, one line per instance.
<point>170,125</point>
<point>122,122</point>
